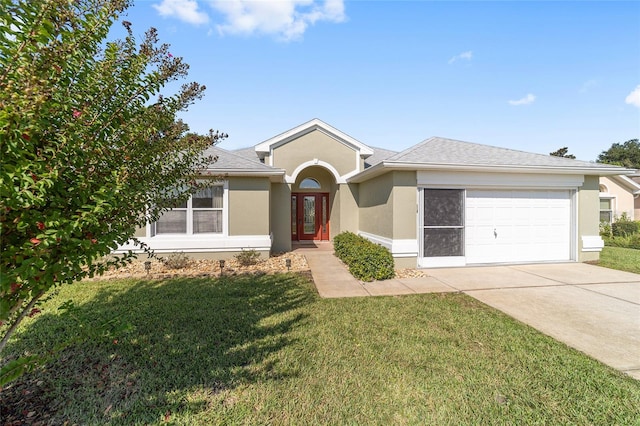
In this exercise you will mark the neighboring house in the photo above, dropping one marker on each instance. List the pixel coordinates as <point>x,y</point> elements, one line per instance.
<point>619,195</point>
<point>441,202</point>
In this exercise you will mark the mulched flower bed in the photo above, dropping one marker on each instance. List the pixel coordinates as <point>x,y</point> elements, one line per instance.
<point>204,268</point>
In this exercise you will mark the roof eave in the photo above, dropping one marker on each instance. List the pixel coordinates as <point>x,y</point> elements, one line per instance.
<point>275,175</point>
<point>386,166</point>
<point>629,184</point>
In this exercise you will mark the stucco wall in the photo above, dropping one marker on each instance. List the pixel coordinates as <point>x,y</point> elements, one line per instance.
<point>588,215</point>
<point>376,206</point>
<point>249,206</point>
<point>315,145</point>
<point>281,217</point>
<point>348,208</point>
<point>623,199</point>
<point>405,204</point>
<point>226,255</point>
<point>388,205</point>
<point>388,214</point>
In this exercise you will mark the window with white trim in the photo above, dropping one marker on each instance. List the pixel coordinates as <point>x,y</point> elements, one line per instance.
<point>202,213</point>
<point>606,209</point>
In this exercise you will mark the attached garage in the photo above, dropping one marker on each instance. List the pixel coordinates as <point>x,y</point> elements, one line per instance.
<point>462,226</point>
<point>517,226</point>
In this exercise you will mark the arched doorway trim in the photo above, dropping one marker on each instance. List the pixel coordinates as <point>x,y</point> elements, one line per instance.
<point>314,162</point>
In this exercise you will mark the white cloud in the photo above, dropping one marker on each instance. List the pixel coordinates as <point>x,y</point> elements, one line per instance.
<point>633,98</point>
<point>286,19</point>
<point>524,101</point>
<point>464,55</point>
<point>185,10</point>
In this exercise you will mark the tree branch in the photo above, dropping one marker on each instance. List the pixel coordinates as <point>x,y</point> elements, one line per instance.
<point>18,320</point>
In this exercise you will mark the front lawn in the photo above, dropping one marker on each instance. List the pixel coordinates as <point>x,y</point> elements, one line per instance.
<point>624,259</point>
<point>267,350</point>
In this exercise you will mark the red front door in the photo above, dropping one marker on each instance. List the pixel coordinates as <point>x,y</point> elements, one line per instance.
<point>309,216</point>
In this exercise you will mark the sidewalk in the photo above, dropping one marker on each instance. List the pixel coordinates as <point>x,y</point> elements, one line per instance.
<point>332,279</point>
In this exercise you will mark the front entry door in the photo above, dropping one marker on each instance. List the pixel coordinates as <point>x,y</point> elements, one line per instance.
<point>309,216</point>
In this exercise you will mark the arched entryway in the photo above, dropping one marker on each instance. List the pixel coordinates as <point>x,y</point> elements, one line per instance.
<point>311,205</point>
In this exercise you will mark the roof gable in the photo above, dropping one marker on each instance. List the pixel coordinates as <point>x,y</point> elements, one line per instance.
<point>267,146</point>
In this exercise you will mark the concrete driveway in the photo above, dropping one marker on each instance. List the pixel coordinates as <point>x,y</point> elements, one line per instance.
<point>593,309</point>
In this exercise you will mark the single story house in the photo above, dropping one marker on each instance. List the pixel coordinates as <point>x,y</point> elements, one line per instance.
<point>442,202</point>
<point>619,195</point>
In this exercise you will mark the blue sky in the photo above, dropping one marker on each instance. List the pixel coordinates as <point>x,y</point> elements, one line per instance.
<point>533,76</point>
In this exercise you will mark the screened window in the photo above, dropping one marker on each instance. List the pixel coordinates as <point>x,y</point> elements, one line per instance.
<point>202,213</point>
<point>443,221</point>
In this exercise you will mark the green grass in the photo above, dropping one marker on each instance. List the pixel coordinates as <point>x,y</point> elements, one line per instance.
<point>267,350</point>
<point>624,259</point>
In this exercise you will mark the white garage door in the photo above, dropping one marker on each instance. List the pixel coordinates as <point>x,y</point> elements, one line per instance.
<point>517,226</point>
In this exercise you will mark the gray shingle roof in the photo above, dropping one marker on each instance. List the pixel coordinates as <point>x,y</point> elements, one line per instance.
<point>248,153</point>
<point>230,161</point>
<point>438,150</point>
<point>379,154</point>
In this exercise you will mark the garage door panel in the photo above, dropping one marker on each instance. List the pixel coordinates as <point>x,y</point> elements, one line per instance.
<point>517,226</point>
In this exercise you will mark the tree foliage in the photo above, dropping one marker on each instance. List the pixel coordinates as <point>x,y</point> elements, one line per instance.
<point>91,149</point>
<point>625,154</point>
<point>563,152</point>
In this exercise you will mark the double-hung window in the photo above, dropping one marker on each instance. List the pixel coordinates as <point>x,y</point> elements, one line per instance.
<point>606,209</point>
<point>202,213</point>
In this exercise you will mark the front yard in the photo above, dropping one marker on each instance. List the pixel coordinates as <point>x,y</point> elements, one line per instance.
<point>624,259</point>
<point>266,350</point>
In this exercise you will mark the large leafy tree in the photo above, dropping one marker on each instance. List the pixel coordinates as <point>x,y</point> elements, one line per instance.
<point>626,154</point>
<point>91,149</point>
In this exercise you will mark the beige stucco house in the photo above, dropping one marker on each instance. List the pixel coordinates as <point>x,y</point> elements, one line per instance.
<point>441,202</point>
<point>619,195</point>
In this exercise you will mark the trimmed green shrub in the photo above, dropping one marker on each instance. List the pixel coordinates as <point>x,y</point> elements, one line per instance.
<point>177,260</point>
<point>247,257</point>
<point>605,229</point>
<point>624,227</point>
<point>367,261</point>
<point>631,241</point>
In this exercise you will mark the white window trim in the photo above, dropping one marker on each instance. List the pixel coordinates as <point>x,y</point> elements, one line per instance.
<point>439,261</point>
<point>151,231</point>
<point>612,205</point>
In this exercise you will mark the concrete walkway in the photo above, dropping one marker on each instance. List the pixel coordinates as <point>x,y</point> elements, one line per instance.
<point>593,309</point>
<point>333,280</point>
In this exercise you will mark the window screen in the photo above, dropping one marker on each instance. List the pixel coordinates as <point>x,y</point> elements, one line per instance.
<point>443,233</point>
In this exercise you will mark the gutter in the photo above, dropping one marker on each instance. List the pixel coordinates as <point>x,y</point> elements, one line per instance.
<point>386,166</point>
<point>275,175</point>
